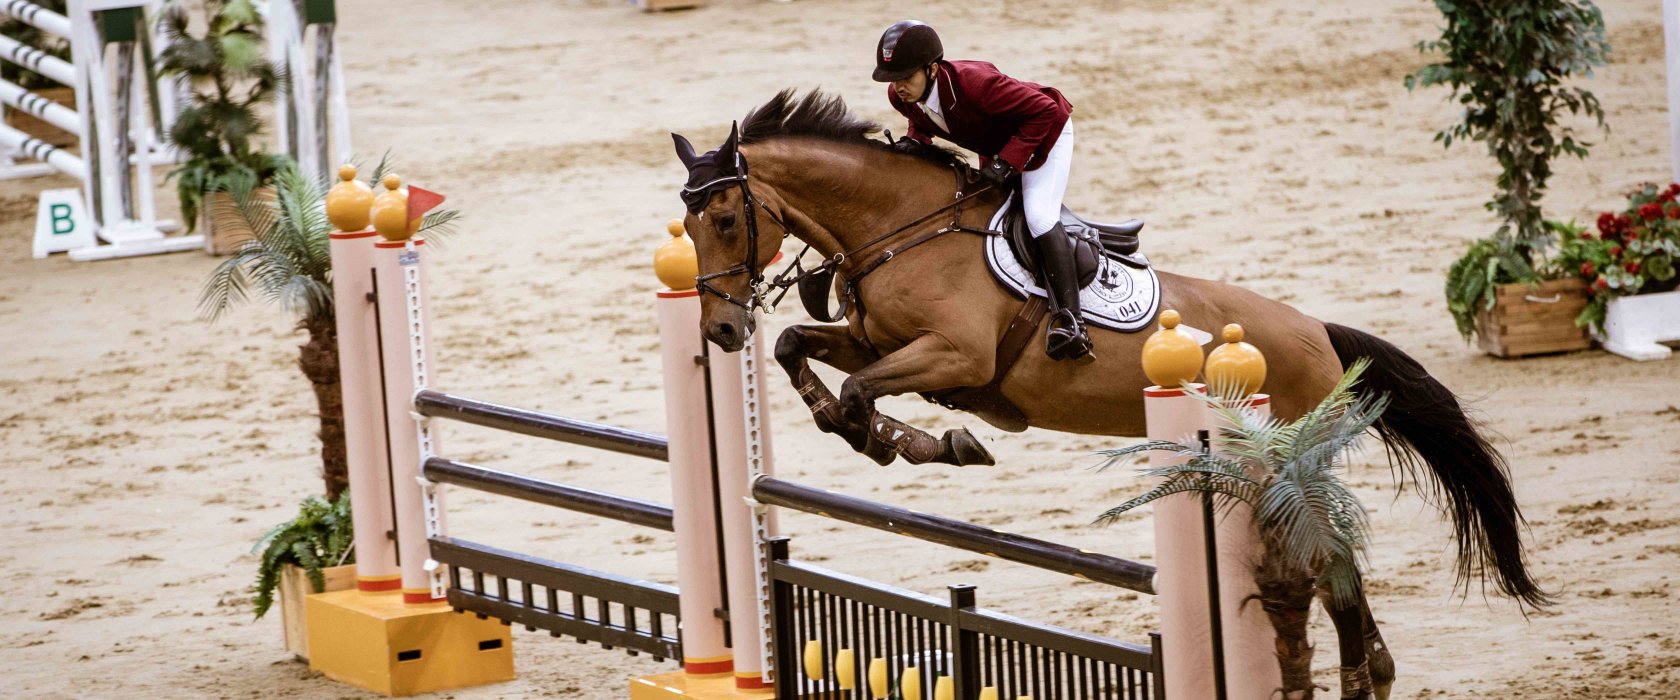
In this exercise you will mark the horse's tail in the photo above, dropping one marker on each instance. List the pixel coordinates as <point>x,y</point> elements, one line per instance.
<point>1425,423</point>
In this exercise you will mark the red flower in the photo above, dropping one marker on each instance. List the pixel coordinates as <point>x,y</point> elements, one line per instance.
<point>1587,269</point>
<point>1633,234</point>
<point>1631,267</point>
<point>1622,222</point>
<point>1615,251</point>
<point>1607,222</point>
<point>1674,212</point>
<point>1600,284</point>
<point>1674,188</point>
<point>1650,210</point>
<point>1665,197</point>
<point>1586,235</point>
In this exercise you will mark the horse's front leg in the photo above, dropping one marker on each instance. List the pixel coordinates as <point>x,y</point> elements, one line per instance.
<point>929,363</point>
<point>836,347</point>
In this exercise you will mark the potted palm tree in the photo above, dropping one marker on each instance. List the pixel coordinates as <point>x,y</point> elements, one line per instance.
<point>1312,526</point>
<point>231,79</point>
<point>287,260</point>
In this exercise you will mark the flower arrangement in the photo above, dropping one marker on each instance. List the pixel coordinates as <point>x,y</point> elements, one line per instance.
<point>1632,252</point>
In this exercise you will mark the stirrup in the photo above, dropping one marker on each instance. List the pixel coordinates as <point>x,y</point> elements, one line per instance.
<point>1070,341</point>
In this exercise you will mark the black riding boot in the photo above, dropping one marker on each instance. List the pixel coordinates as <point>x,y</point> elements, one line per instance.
<point>1066,338</point>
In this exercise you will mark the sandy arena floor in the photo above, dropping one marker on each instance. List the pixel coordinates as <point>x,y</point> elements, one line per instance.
<point>1268,143</point>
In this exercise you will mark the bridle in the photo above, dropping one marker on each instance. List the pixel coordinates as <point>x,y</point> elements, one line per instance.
<point>795,273</point>
<point>749,266</point>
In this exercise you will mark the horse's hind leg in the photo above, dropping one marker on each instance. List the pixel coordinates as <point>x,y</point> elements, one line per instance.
<point>1382,662</point>
<point>929,363</point>
<point>1350,641</point>
<point>835,346</point>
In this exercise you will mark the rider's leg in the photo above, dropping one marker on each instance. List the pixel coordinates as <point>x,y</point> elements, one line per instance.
<point>1041,198</point>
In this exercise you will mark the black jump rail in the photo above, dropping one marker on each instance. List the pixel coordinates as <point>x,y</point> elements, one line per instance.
<point>548,493</point>
<point>956,533</point>
<point>976,648</point>
<point>436,404</point>
<point>561,598</point>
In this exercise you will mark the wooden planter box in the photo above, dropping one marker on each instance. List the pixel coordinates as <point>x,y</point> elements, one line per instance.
<point>294,587</point>
<point>223,227</point>
<point>1534,321</point>
<point>32,126</point>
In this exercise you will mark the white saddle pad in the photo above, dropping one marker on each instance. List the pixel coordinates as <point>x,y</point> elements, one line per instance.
<point>1121,297</point>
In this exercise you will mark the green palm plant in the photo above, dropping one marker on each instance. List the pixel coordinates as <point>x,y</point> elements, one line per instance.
<point>1312,526</point>
<point>231,79</point>
<point>288,260</point>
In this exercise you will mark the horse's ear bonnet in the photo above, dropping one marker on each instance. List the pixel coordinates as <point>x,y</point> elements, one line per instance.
<point>710,170</point>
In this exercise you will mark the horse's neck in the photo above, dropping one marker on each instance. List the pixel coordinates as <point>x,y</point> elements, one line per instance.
<point>838,198</point>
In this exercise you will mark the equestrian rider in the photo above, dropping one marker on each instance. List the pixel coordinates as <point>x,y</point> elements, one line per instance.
<point>1016,127</point>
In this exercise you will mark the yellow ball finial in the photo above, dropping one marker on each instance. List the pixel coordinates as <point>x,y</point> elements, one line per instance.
<point>675,261</point>
<point>1236,369</point>
<point>390,211</point>
<point>1171,357</point>
<point>350,201</point>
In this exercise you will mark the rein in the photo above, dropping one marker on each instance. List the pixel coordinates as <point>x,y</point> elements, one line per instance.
<point>819,278</point>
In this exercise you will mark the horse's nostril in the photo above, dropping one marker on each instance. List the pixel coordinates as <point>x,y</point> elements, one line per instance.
<point>726,330</point>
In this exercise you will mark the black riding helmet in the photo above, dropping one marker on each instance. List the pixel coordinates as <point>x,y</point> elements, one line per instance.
<point>905,48</point>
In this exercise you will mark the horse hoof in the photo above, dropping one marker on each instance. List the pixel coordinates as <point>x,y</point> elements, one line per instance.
<point>966,449</point>
<point>1382,690</point>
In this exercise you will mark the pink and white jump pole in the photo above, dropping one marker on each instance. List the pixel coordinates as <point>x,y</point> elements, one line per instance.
<point>1234,659</point>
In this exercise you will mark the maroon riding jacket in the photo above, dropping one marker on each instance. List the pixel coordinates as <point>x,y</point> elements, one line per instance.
<point>991,114</point>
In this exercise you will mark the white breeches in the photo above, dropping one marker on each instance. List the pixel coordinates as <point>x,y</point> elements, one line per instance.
<point>1042,189</point>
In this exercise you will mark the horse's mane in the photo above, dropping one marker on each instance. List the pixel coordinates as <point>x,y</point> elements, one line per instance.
<point>821,116</point>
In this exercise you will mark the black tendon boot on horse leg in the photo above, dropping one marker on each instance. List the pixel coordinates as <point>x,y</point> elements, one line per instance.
<point>1066,338</point>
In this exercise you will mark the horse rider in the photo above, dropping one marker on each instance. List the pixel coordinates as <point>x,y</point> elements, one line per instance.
<point>1016,127</point>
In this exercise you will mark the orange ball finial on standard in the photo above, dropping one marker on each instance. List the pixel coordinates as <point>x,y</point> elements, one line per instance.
<point>1235,370</point>
<point>390,211</point>
<point>1171,357</point>
<point>675,261</point>
<point>350,201</point>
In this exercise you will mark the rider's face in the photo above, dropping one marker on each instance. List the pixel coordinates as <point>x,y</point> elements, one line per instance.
<point>910,89</point>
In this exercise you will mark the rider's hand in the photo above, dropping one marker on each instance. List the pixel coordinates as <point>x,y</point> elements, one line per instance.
<point>904,144</point>
<point>998,171</point>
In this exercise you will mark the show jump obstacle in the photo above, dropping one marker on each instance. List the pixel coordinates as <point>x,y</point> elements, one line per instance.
<point>745,619</point>
<point>121,116</point>
<point>312,116</point>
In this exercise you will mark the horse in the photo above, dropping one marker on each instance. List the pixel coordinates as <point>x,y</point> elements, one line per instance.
<point>902,235</point>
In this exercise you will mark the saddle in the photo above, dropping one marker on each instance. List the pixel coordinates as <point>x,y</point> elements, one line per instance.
<point>1093,241</point>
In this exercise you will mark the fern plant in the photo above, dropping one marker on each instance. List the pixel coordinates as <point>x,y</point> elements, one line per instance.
<point>321,536</point>
<point>1473,280</point>
<point>1313,527</point>
<point>288,260</point>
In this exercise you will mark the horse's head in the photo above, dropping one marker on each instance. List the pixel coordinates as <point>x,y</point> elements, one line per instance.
<point>733,243</point>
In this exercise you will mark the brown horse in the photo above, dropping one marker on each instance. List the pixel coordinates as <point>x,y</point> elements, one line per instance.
<point>926,316</point>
